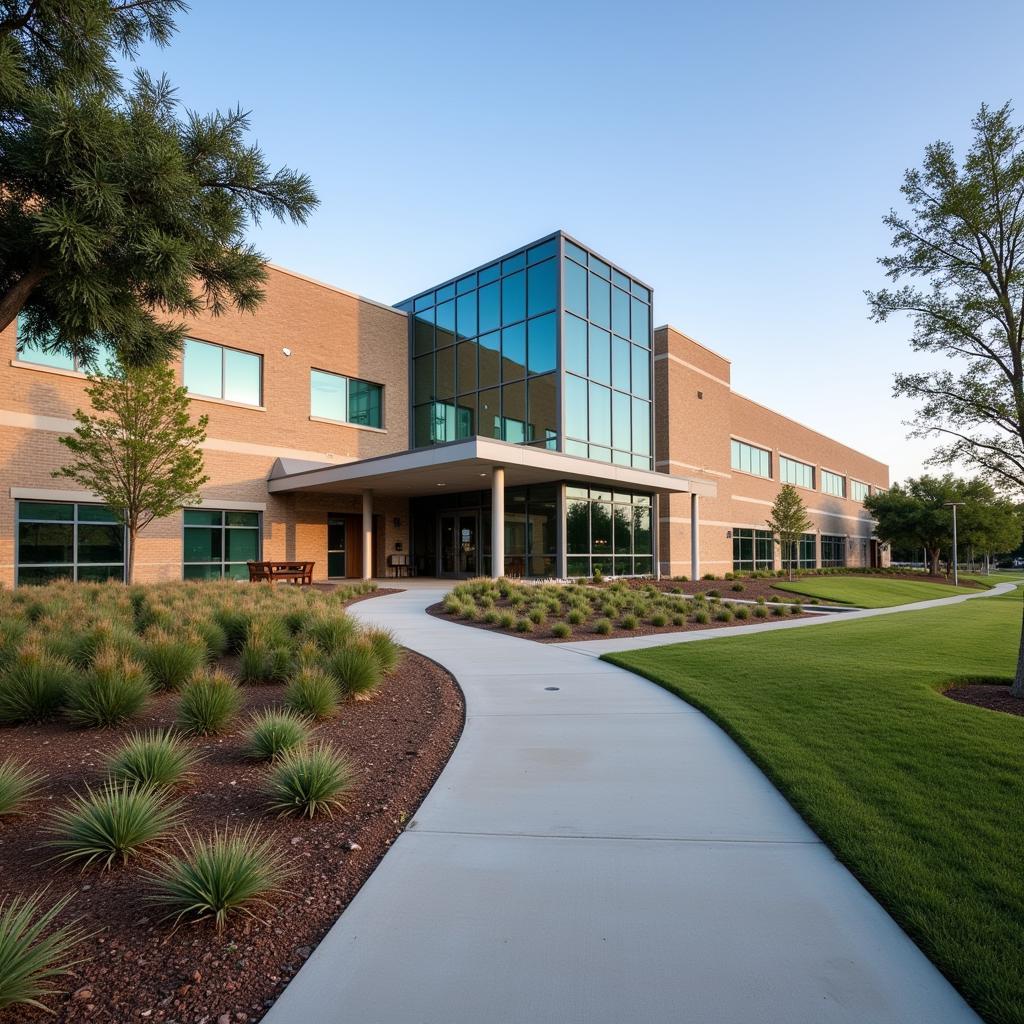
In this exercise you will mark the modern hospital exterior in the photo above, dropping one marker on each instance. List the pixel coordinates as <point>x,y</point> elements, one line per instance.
<point>524,418</point>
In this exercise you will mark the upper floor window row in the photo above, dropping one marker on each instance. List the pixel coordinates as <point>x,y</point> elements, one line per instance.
<point>36,352</point>
<point>833,483</point>
<point>748,459</point>
<point>793,472</point>
<point>215,371</point>
<point>345,399</point>
<point>858,490</point>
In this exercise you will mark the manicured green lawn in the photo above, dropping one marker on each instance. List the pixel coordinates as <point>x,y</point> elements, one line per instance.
<point>871,591</point>
<point>920,796</point>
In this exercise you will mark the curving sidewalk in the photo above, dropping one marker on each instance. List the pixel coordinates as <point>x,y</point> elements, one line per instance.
<point>596,851</point>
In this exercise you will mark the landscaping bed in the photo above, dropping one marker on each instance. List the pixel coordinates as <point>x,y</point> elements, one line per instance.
<point>563,612</point>
<point>993,696</point>
<point>139,963</point>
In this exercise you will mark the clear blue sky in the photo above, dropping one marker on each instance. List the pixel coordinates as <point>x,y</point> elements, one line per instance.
<point>739,157</point>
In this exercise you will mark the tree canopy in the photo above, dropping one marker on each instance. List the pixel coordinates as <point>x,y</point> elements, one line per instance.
<point>788,520</point>
<point>120,212</point>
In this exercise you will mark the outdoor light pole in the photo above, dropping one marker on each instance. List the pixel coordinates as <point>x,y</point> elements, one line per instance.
<point>954,505</point>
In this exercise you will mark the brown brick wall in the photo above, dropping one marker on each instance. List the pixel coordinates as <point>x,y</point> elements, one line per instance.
<point>703,415</point>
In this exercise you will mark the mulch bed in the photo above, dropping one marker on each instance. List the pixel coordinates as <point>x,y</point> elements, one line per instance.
<point>585,630</point>
<point>994,696</point>
<point>142,967</point>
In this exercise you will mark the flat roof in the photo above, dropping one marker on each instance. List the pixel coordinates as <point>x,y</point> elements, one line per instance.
<point>466,466</point>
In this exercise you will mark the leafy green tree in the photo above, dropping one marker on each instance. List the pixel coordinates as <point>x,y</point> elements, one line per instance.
<point>959,251</point>
<point>120,214</point>
<point>987,523</point>
<point>788,520</point>
<point>913,515</point>
<point>138,450</point>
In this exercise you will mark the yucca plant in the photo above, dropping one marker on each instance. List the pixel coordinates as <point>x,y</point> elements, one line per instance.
<point>313,693</point>
<point>386,647</point>
<point>18,784</point>
<point>32,951</point>
<point>309,781</point>
<point>111,823</point>
<point>208,704</point>
<point>357,670</point>
<point>114,689</point>
<point>34,686</point>
<point>155,758</point>
<point>172,661</point>
<point>273,733</point>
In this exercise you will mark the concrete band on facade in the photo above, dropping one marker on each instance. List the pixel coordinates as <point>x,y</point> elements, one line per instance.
<point>359,499</point>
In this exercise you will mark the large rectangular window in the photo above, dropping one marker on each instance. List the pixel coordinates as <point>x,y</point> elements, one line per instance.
<point>39,354</point>
<point>219,542</point>
<point>798,473</point>
<point>859,491</point>
<point>752,549</point>
<point>807,557</point>
<point>334,397</point>
<point>833,483</point>
<point>609,531</point>
<point>748,459</point>
<point>219,372</point>
<point>65,540</point>
<point>833,551</point>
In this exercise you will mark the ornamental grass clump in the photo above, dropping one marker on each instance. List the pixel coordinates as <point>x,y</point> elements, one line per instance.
<point>603,626</point>
<point>629,622</point>
<point>523,626</point>
<point>114,689</point>
<point>742,612</point>
<point>309,781</point>
<point>208,704</point>
<point>34,686</point>
<point>172,661</point>
<point>32,951</point>
<point>723,615</point>
<point>659,619</point>
<point>312,693</point>
<point>702,617</point>
<point>506,620</point>
<point>234,869</point>
<point>357,670</point>
<point>760,611</point>
<point>561,630</point>
<point>273,733</point>
<point>111,823</point>
<point>18,784</point>
<point>385,647</point>
<point>156,758</point>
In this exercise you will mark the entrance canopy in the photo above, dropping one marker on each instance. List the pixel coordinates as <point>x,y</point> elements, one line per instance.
<point>468,465</point>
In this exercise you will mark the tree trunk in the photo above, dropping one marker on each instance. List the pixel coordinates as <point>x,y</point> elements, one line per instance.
<point>132,534</point>
<point>1017,689</point>
<point>12,301</point>
<point>934,554</point>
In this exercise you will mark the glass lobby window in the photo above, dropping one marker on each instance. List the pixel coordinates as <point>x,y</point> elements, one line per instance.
<point>833,483</point>
<point>218,543</point>
<point>833,551</point>
<point>530,531</point>
<point>218,372</point>
<point>334,397</point>
<point>793,472</point>
<point>752,549</point>
<point>608,530</point>
<point>748,459</point>
<point>858,491</point>
<point>65,540</point>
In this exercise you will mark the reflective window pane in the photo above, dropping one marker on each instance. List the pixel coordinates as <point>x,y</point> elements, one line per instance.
<point>242,377</point>
<point>465,315</point>
<point>542,287</point>
<point>444,373</point>
<point>542,348</point>
<point>328,395</point>
<point>576,252</point>
<point>490,307</point>
<point>575,283</point>
<point>423,378</point>
<point>423,335</point>
<point>542,251</point>
<point>365,403</point>
<point>641,427</point>
<point>513,411</point>
<point>466,367</point>
<point>513,352</point>
<point>599,347</point>
<point>620,312</point>
<point>491,273</point>
<point>543,412</point>
<point>600,415</point>
<point>641,359</point>
<point>622,437</point>
<point>599,305</point>
<point>490,359</point>
<point>641,325</point>
<point>203,368</point>
<point>620,363</point>
<point>490,413</point>
<point>574,342</point>
<point>513,298</point>
<point>516,262</point>
<point>575,406</point>
<point>445,325</point>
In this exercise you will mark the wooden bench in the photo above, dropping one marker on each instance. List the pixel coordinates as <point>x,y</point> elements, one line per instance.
<point>290,572</point>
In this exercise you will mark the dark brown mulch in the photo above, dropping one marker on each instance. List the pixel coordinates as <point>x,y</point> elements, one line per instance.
<point>142,967</point>
<point>994,696</point>
<point>585,630</point>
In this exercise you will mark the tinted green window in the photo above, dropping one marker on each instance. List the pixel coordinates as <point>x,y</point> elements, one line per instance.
<point>490,359</point>
<point>465,417</point>
<point>621,419</point>
<point>218,543</point>
<point>513,397</point>
<point>748,459</point>
<point>641,360</point>
<point>641,327</point>
<point>328,395</point>
<point>365,403</point>
<point>575,344</point>
<point>466,366</point>
<point>513,298</point>
<point>202,517</point>
<point>600,302</point>
<point>620,312</point>
<point>542,287</point>
<point>465,317</point>
<point>103,361</point>
<point>444,373</point>
<point>575,284</point>
<point>63,540</point>
<point>423,335</point>
<point>490,413</point>
<point>833,551</point>
<point>490,307</point>
<point>620,363</point>
<point>203,368</point>
<point>219,372</point>
<point>242,377</point>
<point>641,427</point>
<point>600,415</point>
<point>513,352</point>
<point>542,344</point>
<point>600,354</point>
<point>542,394</point>
<point>575,406</point>
<point>48,511</point>
<point>96,514</point>
<point>421,426</point>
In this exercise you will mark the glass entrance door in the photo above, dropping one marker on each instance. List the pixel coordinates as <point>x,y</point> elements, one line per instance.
<point>337,567</point>
<point>459,544</point>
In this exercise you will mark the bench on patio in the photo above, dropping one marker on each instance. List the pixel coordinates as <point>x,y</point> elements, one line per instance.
<point>291,572</point>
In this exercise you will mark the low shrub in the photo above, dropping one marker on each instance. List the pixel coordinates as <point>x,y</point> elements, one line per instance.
<point>598,576</point>
<point>356,669</point>
<point>537,616</point>
<point>742,612</point>
<point>575,617</point>
<point>491,617</point>
<point>709,576</point>
<point>273,733</point>
<point>232,870</point>
<point>155,758</point>
<point>737,587</point>
<point>386,647</point>
<point>18,784</point>
<point>523,626</point>
<point>309,781</point>
<point>506,620</point>
<point>714,593</point>
<point>778,609</point>
<point>111,822</point>
<point>171,662</point>
<point>723,615</point>
<point>629,622</point>
<point>332,630</point>
<point>678,619</point>
<point>796,608</point>
<point>208,704</point>
<point>760,611</point>
<point>114,689</point>
<point>313,693</point>
<point>603,626</point>
<point>32,951</point>
<point>659,619</point>
<point>702,617</point>
<point>561,630</point>
<point>261,663</point>
<point>34,687</point>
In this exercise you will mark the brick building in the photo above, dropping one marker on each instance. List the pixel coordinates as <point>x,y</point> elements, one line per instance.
<point>523,418</point>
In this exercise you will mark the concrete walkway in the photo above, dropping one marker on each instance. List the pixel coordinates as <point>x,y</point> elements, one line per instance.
<point>597,851</point>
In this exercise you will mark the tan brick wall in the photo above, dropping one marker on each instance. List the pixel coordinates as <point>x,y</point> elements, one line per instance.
<point>325,329</point>
<point>703,415</point>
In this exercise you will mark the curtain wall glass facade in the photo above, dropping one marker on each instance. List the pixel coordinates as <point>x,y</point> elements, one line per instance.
<point>609,531</point>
